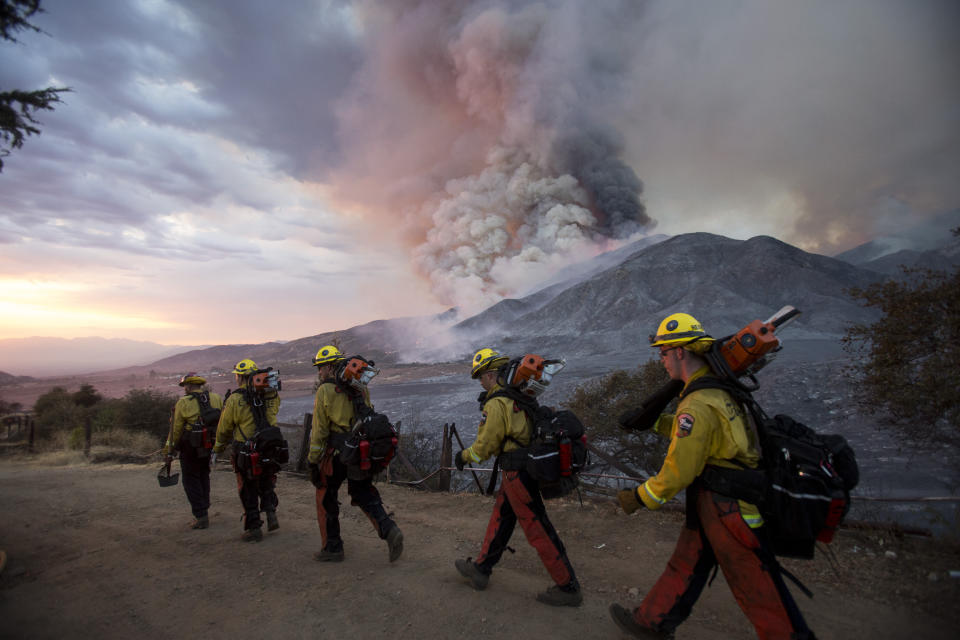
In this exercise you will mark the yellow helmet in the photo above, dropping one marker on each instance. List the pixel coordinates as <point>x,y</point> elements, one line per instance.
<point>192,378</point>
<point>679,329</point>
<point>327,355</point>
<point>485,360</point>
<point>245,367</point>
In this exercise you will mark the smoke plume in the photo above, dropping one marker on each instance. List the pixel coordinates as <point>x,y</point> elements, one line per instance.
<point>479,131</point>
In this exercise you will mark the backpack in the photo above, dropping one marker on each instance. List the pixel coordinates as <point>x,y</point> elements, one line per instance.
<point>557,452</point>
<point>209,415</point>
<point>266,450</point>
<point>802,486</point>
<point>204,431</point>
<point>372,443</point>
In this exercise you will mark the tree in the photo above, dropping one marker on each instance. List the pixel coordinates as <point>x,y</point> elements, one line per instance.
<point>904,363</point>
<point>86,396</point>
<point>18,107</point>
<point>9,407</point>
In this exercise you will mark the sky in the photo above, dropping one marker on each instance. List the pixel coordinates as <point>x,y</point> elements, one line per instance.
<point>235,171</point>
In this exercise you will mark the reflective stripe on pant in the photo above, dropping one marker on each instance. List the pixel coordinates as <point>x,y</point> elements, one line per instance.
<point>519,500</point>
<point>753,575</point>
<point>256,495</point>
<point>196,478</point>
<point>362,493</point>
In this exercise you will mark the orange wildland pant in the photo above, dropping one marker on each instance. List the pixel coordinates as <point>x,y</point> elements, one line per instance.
<point>750,569</point>
<point>519,500</point>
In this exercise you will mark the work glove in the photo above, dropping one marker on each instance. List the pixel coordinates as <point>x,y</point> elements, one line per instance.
<point>628,499</point>
<point>458,460</point>
<point>213,458</point>
<point>316,478</point>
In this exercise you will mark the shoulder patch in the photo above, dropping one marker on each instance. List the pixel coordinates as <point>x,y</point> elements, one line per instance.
<point>483,420</point>
<point>684,425</point>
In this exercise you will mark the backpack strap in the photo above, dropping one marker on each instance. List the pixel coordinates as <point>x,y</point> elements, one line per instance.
<point>755,418</point>
<point>198,396</point>
<point>259,410</point>
<point>203,401</point>
<point>528,405</point>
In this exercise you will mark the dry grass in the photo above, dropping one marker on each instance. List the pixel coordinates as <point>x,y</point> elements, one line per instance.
<point>139,442</point>
<point>63,448</point>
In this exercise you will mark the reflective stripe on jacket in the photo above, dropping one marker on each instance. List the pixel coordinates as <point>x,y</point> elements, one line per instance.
<point>709,427</point>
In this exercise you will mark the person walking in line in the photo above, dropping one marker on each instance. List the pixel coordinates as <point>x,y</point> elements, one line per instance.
<point>246,411</point>
<point>334,415</point>
<point>709,428</point>
<point>191,436</point>
<point>505,427</point>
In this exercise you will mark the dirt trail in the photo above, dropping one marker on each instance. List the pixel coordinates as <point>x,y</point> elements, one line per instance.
<point>102,551</point>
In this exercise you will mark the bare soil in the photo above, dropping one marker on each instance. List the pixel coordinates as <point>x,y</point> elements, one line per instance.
<point>99,550</point>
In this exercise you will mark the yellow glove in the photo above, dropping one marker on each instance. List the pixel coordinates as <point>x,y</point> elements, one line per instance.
<point>629,501</point>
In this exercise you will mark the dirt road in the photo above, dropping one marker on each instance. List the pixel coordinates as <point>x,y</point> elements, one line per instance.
<point>101,551</point>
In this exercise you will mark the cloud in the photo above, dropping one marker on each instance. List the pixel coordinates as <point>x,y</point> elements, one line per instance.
<point>313,149</point>
<point>803,120</point>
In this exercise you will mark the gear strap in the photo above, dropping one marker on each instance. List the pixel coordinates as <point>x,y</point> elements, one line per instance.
<point>527,404</point>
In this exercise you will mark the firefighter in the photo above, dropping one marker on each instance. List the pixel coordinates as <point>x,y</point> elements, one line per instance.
<point>333,418</point>
<point>194,460</point>
<point>504,427</point>
<point>238,423</point>
<point>709,428</point>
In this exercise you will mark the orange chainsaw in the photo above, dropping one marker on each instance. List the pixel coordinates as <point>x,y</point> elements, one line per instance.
<point>735,357</point>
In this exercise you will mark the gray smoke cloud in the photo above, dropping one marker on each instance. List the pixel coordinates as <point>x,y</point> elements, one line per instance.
<point>508,169</point>
<point>506,138</point>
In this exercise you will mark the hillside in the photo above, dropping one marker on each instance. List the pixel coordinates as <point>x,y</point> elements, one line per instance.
<point>103,552</point>
<point>724,282</point>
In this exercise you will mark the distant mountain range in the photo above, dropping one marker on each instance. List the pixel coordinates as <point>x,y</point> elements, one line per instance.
<point>601,308</point>
<point>928,245</point>
<point>605,309</point>
<point>41,356</point>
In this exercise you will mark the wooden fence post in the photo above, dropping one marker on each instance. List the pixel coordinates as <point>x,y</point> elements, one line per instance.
<point>30,445</point>
<point>305,444</point>
<point>446,458</point>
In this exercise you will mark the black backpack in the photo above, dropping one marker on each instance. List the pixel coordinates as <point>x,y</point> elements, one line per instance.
<point>209,415</point>
<point>266,450</point>
<point>557,452</point>
<point>371,444</point>
<point>802,487</point>
<point>203,433</point>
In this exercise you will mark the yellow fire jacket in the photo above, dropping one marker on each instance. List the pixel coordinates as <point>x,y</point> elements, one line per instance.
<point>236,419</point>
<point>709,427</point>
<point>185,415</point>
<point>332,413</point>
<point>504,426</point>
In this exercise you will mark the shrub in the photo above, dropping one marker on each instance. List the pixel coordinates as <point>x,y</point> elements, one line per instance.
<point>146,410</point>
<point>901,363</point>
<point>55,411</point>
<point>77,438</point>
<point>600,402</point>
<point>421,449</point>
